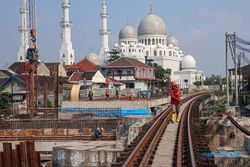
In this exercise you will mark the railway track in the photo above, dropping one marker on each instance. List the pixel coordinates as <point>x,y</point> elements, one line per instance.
<point>141,151</point>
<point>192,142</point>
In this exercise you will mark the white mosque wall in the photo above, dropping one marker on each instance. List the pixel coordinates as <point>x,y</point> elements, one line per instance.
<point>191,76</point>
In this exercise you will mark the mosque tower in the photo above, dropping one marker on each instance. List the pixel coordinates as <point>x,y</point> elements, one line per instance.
<point>67,56</point>
<point>24,32</point>
<point>104,32</point>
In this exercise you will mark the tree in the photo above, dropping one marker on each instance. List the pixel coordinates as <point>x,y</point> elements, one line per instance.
<point>161,73</point>
<point>197,83</point>
<point>213,80</point>
<point>5,101</point>
<point>114,54</point>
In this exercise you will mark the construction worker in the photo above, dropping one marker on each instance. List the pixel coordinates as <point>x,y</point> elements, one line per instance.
<point>175,100</point>
<point>98,133</point>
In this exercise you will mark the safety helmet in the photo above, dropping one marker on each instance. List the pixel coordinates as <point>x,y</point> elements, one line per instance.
<point>173,84</point>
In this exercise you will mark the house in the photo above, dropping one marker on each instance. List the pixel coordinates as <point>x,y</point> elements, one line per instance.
<point>19,68</point>
<point>13,81</point>
<point>90,63</point>
<point>88,79</point>
<point>132,72</point>
<point>45,69</point>
<point>61,70</point>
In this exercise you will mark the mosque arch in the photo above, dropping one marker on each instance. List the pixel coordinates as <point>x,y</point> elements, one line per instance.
<point>149,42</point>
<point>153,41</point>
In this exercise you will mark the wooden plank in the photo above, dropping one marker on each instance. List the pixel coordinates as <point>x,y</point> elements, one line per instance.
<point>1,159</point>
<point>38,159</point>
<point>18,156</point>
<point>7,156</point>
<point>32,153</point>
<point>24,154</point>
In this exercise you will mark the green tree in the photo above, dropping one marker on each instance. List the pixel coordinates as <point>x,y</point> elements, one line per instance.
<point>114,54</point>
<point>213,80</point>
<point>5,101</point>
<point>197,83</point>
<point>162,73</point>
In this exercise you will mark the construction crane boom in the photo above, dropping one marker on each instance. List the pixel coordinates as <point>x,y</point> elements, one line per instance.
<point>32,62</point>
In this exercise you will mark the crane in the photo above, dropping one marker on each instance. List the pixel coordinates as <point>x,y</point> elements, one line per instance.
<point>31,62</point>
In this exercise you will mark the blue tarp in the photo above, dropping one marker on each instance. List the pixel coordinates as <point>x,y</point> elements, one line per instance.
<point>110,112</point>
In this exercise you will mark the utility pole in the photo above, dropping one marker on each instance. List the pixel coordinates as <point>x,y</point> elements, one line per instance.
<point>56,84</point>
<point>235,70</point>
<point>226,64</point>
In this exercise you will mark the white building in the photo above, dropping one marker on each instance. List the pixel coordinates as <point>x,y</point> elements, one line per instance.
<point>104,33</point>
<point>151,41</point>
<point>188,73</point>
<point>66,54</point>
<point>24,32</point>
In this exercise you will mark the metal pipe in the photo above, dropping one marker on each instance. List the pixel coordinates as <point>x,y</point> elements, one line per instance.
<point>226,64</point>
<point>236,71</point>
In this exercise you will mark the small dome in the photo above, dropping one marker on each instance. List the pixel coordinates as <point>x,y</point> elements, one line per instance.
<point>94,58</point>
<point>127,32</point>
<point>116,45</point>
<point>173,41</point>
<point>188,63</point>
<point>151,25</point>
<point>122,44</point>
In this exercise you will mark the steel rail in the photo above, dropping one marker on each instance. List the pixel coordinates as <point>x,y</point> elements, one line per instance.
<point>190,144</point>
<point>184,133</point>
<point>147,144</point>
<point>139,148</point>
<point>150,151</point>
<point>238,126</point>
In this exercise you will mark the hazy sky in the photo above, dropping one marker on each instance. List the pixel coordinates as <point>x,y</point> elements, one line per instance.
<point>199,25</point>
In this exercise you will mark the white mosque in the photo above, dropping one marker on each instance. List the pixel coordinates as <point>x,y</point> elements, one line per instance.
<point>151,41</point>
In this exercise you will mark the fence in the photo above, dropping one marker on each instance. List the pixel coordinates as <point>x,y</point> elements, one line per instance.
<point>109,124</point>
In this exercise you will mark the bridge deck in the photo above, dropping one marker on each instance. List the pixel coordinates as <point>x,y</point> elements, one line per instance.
<point>165,151</point>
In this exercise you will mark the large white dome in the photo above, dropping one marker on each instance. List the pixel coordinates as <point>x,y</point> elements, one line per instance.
<point>127,32</point>
<point>173,41</point>
<point>188,63</point>
<point>94,58</point>
<point>151,25</point>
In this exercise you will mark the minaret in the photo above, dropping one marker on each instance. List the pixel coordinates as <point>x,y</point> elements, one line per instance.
<point>67,56</point>
<point>104,32</point>
<point>24,32</point>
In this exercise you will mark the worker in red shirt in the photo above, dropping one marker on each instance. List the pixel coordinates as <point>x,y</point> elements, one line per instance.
<point>175,100</point>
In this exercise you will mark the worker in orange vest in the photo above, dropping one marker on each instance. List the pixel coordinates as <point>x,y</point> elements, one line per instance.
<point>175,100</point>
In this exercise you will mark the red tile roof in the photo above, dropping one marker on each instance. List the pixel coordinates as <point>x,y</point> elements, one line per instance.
<point>18,67</point>
<point>77,76</point>
<point>71,67</point>
<point>128,62</point>
<point>86,65</point>
<point>83,65</point>
<point>51,67</point>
